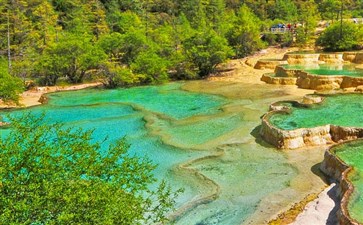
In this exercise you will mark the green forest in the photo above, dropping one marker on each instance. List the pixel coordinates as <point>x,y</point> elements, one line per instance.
<point>130,42</point>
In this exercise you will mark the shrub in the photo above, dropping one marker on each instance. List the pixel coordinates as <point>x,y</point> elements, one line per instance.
<point>56,175</point>
<point>10,87</point>
<point>349,36</point>
<point>115,75</point>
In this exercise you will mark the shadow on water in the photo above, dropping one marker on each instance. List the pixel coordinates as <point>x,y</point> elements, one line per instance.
<point>316,170</point>
<point>258,139</point>
<point>333,217</point>
<point>332,193</point>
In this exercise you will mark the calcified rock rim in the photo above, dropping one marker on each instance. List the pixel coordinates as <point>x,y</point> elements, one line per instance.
<point>336,168</point>
<point>311,81</point>
<point>269,63</point>
<point>353,57</point>
<point>208,196</point>
<point>304,137</point>
<point>296,58</point>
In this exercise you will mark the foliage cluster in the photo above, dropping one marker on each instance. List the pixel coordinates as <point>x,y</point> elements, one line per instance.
<point>50,174</point>
<point>340,37</point>
<point>10,87</point>
<point>149,41</point>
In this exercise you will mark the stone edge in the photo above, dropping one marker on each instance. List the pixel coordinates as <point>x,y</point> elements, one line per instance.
<point>336,168</point>
<point>303,137</point>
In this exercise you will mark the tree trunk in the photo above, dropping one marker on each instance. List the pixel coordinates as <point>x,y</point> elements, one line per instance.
<point>341,20</point>
<point>8,34</point>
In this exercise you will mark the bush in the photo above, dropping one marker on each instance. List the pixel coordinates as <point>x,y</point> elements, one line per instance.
<point>244,37</point>
<point>10,87</point>
<point>337,38</point>
<point>55,175</point>
<point>205,51</point>
<point>115,75</point>
<point>181,68</point>
<point>270,38</point>
<point>151,66</point>
<point>71,56</point>
<point>301,36</point>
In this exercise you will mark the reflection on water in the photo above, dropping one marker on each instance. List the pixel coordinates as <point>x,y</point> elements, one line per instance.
<point>204,137</point>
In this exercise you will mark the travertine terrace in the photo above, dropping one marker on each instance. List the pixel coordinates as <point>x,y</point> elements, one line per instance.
<point>307,80</point>
<point>304,137</point>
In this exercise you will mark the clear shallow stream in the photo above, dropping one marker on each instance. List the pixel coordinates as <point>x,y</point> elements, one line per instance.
<point>204,137</point>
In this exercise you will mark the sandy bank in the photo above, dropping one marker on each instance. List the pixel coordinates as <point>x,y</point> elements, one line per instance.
<point>32,97</point>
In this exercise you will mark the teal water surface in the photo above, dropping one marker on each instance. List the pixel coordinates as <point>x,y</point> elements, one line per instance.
<point>352,154</point>
<point>118,113</point>
<point>328,69</point>
<point>340,110</point>
<point>180,129</point>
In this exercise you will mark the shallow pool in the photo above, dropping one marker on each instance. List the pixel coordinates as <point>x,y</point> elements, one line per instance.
<point>340,110</point>
<point>328,69</point>
<point>204,137</point>
<point>352,154</point>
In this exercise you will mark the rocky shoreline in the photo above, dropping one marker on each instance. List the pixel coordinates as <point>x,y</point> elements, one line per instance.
<point>334,167</point>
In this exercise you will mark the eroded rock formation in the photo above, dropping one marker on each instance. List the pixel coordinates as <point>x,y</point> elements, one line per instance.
<point>353,57</point>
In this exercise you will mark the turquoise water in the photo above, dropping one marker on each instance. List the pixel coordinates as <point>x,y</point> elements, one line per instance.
<point>190,134</point>
<point>167,99</point>
<point>328,69</point>
<point>341,110</point>
<point>118,113</point>
<point>352,154</point>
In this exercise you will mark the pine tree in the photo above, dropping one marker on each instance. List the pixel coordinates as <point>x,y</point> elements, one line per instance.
<point>244,36</point>
<point>308,16</point>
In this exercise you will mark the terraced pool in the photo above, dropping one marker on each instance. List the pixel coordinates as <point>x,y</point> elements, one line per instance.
<point>341,110</point>
<point>352,154</point>
<point>328,69</point>
<point>201,142</point>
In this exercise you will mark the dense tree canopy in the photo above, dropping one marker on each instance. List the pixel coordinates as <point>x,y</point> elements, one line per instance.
<point>56,175</point>
<point>150,41</point>
<point>124,42</point>
<point>245,32</point>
